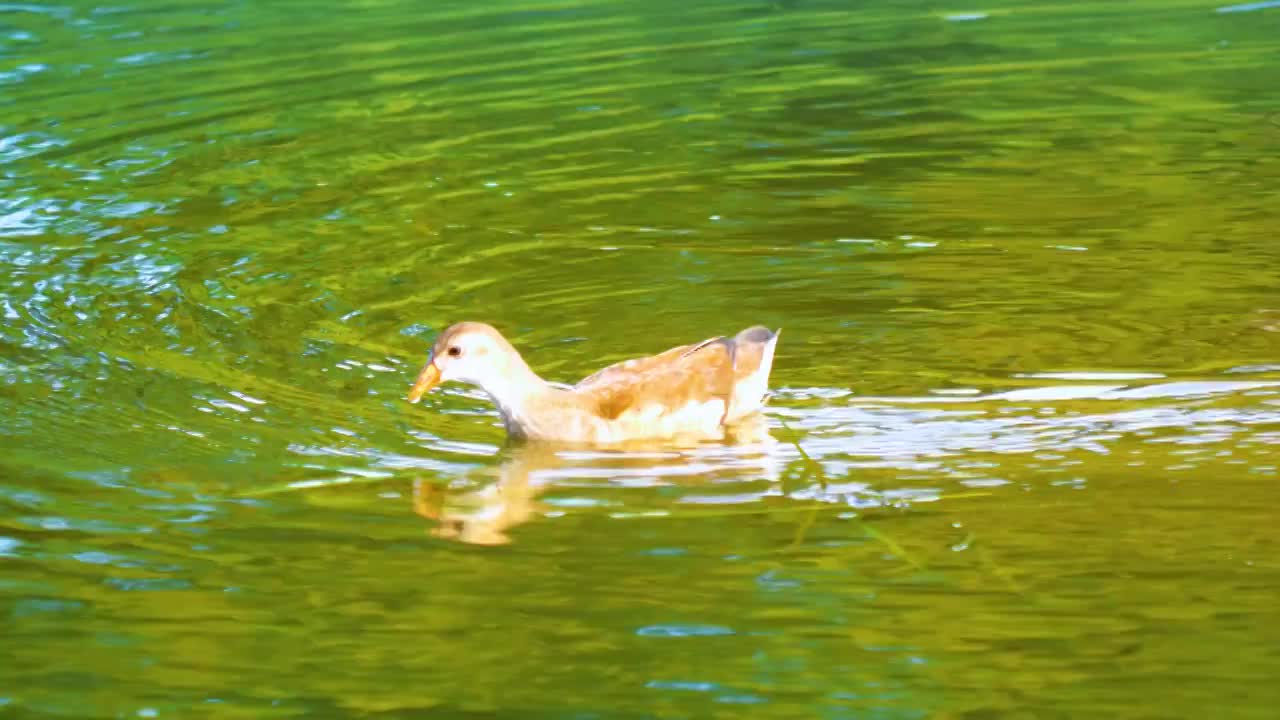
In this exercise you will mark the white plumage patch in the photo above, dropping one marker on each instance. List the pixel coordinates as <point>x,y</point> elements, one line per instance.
<point>692,417</point>
<point>748,395</point>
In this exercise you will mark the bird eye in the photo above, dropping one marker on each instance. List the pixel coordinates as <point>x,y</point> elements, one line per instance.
<point>454,351</point>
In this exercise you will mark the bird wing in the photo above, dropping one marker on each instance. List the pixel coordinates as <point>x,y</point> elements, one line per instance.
<point>665,382</point>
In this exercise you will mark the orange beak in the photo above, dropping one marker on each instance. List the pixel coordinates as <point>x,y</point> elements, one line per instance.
<point>427,379</point>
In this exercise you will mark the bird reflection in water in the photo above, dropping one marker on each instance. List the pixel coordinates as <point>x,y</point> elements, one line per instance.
<point>485,516</point>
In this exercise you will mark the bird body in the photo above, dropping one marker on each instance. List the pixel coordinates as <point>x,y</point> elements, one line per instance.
<point>691,390</point>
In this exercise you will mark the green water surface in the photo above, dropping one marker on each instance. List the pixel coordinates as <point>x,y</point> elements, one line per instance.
<point>1022,457</point>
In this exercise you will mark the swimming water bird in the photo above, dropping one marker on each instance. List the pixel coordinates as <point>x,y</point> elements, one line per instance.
<point>696,390</point>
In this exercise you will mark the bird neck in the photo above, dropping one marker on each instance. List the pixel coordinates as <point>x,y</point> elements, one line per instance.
<point>517,392</point>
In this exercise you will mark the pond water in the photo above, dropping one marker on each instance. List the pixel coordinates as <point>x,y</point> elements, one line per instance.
<point>1022,456</point>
